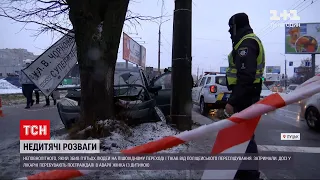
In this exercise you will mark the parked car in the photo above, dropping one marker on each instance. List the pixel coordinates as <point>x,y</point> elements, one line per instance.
<point>310,111</point>
<point>265,91</point>
<point>205,93</point>
<point>291,88</point>
<point>134,98</point>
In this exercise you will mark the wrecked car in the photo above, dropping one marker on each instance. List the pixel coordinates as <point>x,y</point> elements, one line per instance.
<point>134,99</point>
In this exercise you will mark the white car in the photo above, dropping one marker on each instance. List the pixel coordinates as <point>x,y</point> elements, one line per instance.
<point>265,91</point>
<point>291,88</point>
<point>207,89</point>
<point>310,111</point>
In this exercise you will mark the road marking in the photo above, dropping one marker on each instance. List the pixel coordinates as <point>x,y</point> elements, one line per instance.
<point>297,149</point>
<point>295,123</point>
<point>263,176</point>
<point>281,109</point>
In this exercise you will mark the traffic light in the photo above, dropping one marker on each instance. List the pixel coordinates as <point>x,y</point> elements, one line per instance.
<point>263,78</point>
<point>290,63</point>
<point>282,76</point>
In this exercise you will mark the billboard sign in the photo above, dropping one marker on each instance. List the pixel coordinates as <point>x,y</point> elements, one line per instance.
<point>50,68</point>
<point>303,40</point>
<point>133,52</point>
<point>272,77</point>
<point>273,69</point>
<point>143,56</point>
<point>302,70</point>
<point>223,69</point>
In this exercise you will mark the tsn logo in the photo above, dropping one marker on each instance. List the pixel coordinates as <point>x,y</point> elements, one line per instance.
<point>35,130</point>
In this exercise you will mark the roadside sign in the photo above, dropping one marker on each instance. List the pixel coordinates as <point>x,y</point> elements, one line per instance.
<point>223,69</point>
<point>50,68</point>
<point>290,63</point>
<point>272,77</point>
<point>273,69</point>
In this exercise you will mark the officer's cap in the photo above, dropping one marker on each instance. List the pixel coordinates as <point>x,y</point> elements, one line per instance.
<point>239,19</point>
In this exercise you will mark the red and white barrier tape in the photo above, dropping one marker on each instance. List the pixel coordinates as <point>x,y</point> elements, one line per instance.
<point>233,136</point>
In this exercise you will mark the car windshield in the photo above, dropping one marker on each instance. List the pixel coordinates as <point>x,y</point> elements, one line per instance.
<point>292,88</point>
<point>122,77</point>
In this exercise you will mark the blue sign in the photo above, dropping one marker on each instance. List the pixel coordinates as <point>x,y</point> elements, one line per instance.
<point>308,64</point>
<point>223,69</point>
<point>290,63</point>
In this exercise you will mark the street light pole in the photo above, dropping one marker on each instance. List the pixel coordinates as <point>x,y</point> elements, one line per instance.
<point>285,71</point>
<point>159,44</point>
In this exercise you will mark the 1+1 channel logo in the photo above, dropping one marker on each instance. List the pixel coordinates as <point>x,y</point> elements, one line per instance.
<point>291,15</point>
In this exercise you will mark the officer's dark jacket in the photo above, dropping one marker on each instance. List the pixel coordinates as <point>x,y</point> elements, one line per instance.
<point>245,91</point>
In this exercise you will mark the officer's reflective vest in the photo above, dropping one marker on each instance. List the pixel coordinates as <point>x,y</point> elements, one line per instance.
<point>231,71</point>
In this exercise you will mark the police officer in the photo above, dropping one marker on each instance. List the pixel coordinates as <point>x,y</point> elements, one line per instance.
<point>244,77</point>
<point>27,87</point>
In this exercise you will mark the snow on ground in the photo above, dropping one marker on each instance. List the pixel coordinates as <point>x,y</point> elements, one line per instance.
<point>119,140</point>
<point>6,85</point>
<point>68,85</point>
<point>10,91</point>
<point>141,134</point>
<point>8,88</point>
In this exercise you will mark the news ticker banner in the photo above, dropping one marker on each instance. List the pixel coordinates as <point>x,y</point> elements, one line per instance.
<point>154,161</point>
<point>59,146</point>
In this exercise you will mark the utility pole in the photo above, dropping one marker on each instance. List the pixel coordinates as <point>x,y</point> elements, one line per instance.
<point>159,48</point>
<point>313,63</point>
<point>285,71</point>
<point>181,103</point>
<point>159,37</point>
<point>159,43</point>
<point>197,74</point>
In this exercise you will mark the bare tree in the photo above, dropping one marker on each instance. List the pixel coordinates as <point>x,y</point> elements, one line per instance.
<point>97,25</point>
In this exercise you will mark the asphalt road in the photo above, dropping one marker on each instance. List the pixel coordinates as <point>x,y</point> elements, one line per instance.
<point>306,151</point>
<point>285,120</point>
<point>9,124</point>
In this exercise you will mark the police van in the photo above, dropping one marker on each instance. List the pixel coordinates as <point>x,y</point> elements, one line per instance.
<point>211,92</point>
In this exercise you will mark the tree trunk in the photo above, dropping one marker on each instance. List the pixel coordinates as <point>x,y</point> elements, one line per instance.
<point>97,51</point>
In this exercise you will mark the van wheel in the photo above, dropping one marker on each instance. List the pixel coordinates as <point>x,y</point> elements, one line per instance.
<point>203,107</point>
<point>313,118</point>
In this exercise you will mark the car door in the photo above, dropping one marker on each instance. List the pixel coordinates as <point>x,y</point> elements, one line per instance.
<point>197,90</point>
<point>221,83</point>
<point>163,98</point>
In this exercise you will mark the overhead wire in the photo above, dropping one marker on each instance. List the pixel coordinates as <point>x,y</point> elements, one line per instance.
<point>270,25</point>
<point>312,2</point>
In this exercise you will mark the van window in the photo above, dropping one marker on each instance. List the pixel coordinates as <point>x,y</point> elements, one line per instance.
<point>208,80</point>
<point>221,80</point>
<point>203,80</point>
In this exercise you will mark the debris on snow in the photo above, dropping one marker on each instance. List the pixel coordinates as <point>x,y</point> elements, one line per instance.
<point>141,134</point>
